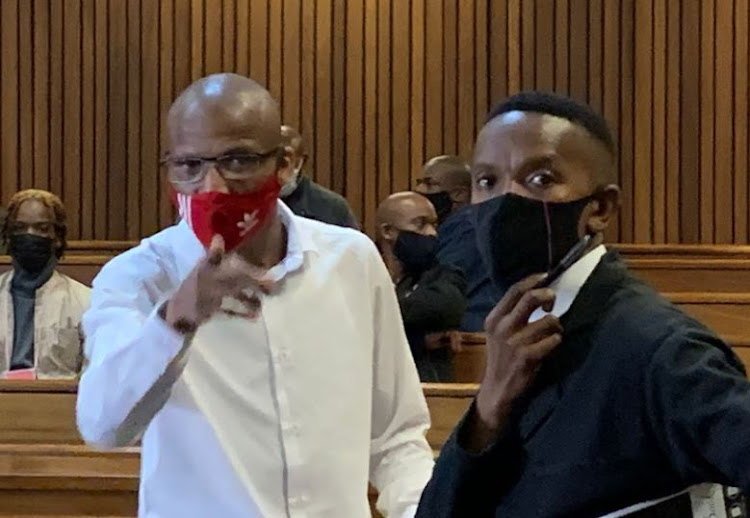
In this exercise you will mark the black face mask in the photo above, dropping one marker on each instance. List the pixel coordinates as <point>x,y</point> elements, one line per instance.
<point>442,202</point>
<point>415,251</point>
<point>518,236</point>
<point>32,253</point>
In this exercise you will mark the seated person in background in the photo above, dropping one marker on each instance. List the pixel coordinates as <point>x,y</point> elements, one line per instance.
<point>431,296</point>
<point>305,197</point>
<point>41,308</point>
<point>259,355</point>
<point>446,182</point>
<point>598,393</point>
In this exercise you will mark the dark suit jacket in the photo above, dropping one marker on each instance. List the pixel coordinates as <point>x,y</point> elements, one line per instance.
<point>457,247</point>
<point>314,201</point>
<point>639,401</point>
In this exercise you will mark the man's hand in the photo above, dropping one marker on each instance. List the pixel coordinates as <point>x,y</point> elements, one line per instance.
<point>219,282</point>
<point>515,350</point>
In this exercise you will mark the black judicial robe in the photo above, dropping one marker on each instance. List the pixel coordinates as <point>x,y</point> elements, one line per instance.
<point>638,402</point>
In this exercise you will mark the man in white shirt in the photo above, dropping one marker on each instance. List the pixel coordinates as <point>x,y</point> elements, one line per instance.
<point>269,376</point>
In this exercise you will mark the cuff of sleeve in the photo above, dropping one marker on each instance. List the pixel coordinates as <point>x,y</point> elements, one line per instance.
<point>459,439</point>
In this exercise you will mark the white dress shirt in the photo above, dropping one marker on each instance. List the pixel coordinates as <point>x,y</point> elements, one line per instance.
<point>287,415</point>
<point>567,286</point>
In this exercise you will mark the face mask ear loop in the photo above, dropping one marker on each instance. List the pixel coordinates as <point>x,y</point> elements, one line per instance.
<point>549,236</point>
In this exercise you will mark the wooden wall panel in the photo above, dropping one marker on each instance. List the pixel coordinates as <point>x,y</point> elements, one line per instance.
<point>377,87</point>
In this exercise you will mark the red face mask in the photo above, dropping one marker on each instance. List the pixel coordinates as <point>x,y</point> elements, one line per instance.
<point>235,217</point>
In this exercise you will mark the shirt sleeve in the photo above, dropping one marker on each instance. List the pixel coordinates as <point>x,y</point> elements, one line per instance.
<point>471,484</point>
<point>698,401</point>
<point>400,458</point>
<point>133,357</point>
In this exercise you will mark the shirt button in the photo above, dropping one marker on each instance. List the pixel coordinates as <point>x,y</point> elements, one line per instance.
<point>294,501</point>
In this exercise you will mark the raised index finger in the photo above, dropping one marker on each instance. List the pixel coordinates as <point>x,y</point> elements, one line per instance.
<point>215,250</point>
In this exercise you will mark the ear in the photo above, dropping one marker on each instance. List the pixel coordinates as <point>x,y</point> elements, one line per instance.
<point>604,208</point>
<point>461,195</point>
<point>387,232</point>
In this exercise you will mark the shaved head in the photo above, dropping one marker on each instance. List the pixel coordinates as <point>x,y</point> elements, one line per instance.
<point>405,211</point>
<point>449,171</point>
<point>224,107</point>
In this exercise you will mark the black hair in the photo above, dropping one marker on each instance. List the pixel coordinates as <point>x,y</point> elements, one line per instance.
<point>559,106</point>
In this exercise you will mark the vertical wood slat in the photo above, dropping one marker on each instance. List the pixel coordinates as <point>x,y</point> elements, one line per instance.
<point>25,94</point>
<point>307,76</point>
<point>9,98</point>
<point>708,137</point>
<point>450,77</point>
<point>258,48</point>
<point>338,108</point>
<point>101,122</point>
<point>323,78</point>
<point>117,119</point>
<point>723,123</point>
<point>86,85</point>
<point>41,94</point>
<point>627,49</point>
<point>544,46</point>
<point>291,65</point>
<point>133,126</point>
<point>354,103</point>
<point>400,121</point>
<point>213,29</point>
<point>417,93</point>
<point>370,117</point>
<point>433,83</point>
<point>610,83</point>
<point>167,75</point>
<point>88,138</point>
<point>384,164</point>
<point>149,120</point>
<point>690,124</point>
<point>740,111</point>
<point>658,123</point>
<point>673,123</point>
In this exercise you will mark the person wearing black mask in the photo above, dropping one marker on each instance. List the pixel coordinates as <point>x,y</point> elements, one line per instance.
<point>598,394</point>
<point>41,308</point>
<point>446,182</point>
<point>431,296</point>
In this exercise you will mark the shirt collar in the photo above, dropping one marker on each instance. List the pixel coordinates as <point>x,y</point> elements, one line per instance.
<point>298,242</point>
<point>567,286</point>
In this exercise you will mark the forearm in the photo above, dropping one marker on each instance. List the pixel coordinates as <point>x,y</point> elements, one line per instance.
<point>127,381</point>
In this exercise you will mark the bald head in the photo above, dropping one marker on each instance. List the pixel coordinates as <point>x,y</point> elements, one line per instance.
<point>224,107</point>
<point>405,211</point>
<point>448,171</point>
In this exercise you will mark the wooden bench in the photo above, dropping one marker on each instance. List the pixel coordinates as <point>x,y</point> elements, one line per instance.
<point>45,470</point>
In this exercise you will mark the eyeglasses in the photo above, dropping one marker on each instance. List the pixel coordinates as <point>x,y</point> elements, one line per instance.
<point>188,171</point>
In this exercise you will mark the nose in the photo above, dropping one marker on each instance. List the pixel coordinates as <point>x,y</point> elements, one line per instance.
<point>214,182</point>
<point>430,230</point>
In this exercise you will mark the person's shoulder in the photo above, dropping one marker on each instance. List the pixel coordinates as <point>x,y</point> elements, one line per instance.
<point>644,320</point>
<point>327,236</point>
<point>323,193</point>
<point>147,259</point>
<point>76,290</point>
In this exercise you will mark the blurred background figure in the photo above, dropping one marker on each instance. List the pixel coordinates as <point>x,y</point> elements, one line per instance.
<point>40,308</point>
<point>431,296</point>
<point>446,182</point>
<point>305,197</point>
